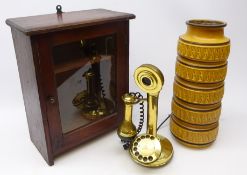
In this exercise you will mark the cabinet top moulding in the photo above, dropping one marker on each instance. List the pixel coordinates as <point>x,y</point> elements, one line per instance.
<point>41,24</point>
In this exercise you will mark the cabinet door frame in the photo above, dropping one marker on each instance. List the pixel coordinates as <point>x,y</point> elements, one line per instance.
<point>63,141</point>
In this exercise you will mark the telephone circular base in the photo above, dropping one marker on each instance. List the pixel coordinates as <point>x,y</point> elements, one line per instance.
<point>165,155</point>
<point>93,114</point>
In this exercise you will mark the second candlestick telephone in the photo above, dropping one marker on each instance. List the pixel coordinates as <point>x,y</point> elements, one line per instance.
<point>148,149</point>
<point>92,101</point>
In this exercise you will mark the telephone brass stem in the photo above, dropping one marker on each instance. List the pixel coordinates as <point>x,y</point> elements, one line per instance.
<point>152,113</point>
<point>150,149</point>
<point>90,79</point>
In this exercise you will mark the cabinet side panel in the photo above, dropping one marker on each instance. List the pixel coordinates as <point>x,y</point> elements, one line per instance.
<point>26,68</point>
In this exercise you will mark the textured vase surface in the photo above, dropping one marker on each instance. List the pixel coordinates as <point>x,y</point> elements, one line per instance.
<point>198,89</point>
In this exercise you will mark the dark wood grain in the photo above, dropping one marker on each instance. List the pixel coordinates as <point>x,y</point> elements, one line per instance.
<point>37,125</point>
<point>67,20</point>
<point>34,40</point>
<point>61,141</point>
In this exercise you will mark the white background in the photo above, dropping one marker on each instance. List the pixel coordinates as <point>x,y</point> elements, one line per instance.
<point>153,39</point>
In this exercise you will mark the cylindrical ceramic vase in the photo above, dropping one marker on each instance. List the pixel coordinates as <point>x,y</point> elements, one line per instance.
<point>198,88</point>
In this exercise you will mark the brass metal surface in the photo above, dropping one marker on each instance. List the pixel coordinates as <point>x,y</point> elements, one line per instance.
<point>152,87</point>
<point>152,114</point>
<point>105,108</point>
<point>164,157</point>
<point>155,76</point>
<point>127,130</point>
<point>91,102</point>
<point>91,107</point>
<point>153,150</point>
<point>148,149</point>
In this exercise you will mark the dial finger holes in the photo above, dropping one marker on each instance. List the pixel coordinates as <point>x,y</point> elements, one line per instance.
<point>145,148</point>
<point>150,158</point>
<point>140,157</point>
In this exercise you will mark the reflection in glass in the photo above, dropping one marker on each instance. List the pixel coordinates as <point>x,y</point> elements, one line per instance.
<point>85,77</point>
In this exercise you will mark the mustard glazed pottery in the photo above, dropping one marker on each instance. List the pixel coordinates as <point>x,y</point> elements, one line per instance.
<point>198,88</point>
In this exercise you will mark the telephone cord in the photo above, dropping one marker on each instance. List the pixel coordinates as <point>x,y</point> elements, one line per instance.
<point>126,144</point>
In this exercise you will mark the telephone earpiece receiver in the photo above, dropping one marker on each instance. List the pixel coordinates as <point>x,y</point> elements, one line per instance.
<point>149,149</point>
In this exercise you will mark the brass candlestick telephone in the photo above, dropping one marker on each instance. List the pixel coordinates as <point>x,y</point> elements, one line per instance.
<point>93,102</point>
<point>149,149</point>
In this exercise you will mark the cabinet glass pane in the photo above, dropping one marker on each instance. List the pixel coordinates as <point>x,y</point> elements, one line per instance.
<point>85,76</point>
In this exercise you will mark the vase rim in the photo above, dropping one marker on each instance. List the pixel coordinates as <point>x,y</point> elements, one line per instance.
<point>206,23</point>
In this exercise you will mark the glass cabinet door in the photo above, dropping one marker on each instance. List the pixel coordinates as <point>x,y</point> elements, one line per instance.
<point>85,73</point>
